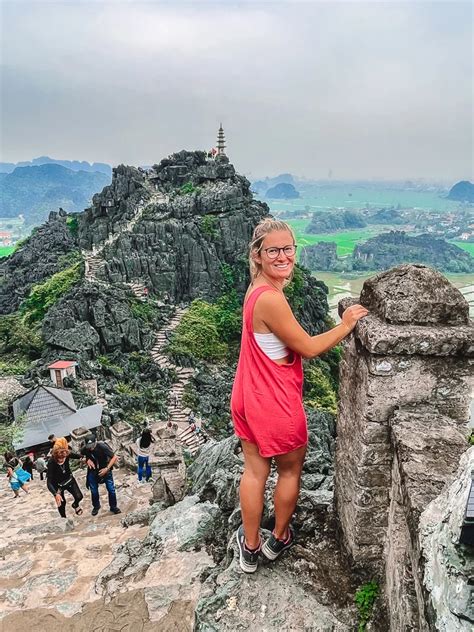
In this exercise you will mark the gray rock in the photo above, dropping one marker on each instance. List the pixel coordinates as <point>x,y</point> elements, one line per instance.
<point>15,569</point>
<point>58,525</point>
<point>449,566</point>
<point>268,601</point>
<point>188,524</point>
<point>414,294</point>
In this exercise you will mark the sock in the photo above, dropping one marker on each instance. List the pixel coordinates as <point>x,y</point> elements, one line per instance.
<point>284,540</point>
<point>249,550</point>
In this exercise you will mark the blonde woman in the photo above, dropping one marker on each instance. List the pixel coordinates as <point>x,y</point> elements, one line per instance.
<point>60,478</point>
<point>266,404</point>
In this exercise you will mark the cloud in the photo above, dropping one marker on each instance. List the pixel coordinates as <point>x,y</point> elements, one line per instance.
<point>366,89</point>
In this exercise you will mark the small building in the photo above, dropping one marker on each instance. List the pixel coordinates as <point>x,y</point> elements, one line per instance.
<point>61,369</point>
<point>45,410</point>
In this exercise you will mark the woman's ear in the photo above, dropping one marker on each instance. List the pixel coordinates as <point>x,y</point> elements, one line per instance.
<point>256,256</point>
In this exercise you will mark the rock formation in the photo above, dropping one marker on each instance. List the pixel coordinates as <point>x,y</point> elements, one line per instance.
<point>178,247</point>
<point>402,428</point>
<point>44,254</point>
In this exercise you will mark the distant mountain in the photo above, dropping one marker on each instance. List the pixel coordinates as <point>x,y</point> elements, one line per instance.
<point>328,222</point>
<point>387,250</point>
<point>74,165</point>
<point>283,191</point>
<point>260,186</point>
<point>462,191</point>
<point>35,191</point>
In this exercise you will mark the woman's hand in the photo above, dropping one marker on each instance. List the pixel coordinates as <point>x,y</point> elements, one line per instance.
<point>58,500</point>
<point>352,314</point>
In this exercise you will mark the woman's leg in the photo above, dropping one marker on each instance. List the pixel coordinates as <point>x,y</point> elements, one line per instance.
<point>287,489</point>
<point>74,489</point>
<point>148,470</point>
<point>252,488</point>
<point>62,506</point>
<point>141,463</point>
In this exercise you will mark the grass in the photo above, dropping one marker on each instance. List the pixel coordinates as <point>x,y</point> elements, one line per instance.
<point>468,247</point>
<point>6,250</point>
<point>345,240</point>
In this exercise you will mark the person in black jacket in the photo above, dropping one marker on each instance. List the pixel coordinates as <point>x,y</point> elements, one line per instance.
<point>60,478</point>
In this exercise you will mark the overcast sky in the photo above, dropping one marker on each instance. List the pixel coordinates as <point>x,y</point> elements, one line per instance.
<point>365,89</point>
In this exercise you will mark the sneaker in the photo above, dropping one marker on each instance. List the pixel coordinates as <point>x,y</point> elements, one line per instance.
<point>142,482</point>
<point>115,510</point>
<point>273,548</point>
<point>95,511</point>
<point>248,559</point>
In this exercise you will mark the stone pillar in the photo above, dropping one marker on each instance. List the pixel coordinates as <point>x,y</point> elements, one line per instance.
<point>78,436</point>
<point>120,434</point>
<point>415,348</point>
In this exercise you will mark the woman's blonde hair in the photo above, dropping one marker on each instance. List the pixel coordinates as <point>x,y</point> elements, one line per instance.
<point>262,229</point>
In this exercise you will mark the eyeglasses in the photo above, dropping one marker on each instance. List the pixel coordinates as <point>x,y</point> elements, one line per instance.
<point>273,252</point>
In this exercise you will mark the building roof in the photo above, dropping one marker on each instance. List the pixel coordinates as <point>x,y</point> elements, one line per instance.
<point>62,364</point>
<point>44,402</point>
<point>37,432</point>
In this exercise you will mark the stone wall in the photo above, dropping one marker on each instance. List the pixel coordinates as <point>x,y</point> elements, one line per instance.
<point>405,386</point>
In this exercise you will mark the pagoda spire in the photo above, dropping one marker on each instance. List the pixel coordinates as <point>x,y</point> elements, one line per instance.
<point>220,142</point>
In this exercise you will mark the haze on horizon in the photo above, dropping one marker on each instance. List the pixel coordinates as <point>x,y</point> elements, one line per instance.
<point>364,89</point>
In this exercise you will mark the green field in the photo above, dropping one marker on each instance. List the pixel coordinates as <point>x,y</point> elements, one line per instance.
<point>465,246</point>
<point>345,240</point>
<point>6,250</point>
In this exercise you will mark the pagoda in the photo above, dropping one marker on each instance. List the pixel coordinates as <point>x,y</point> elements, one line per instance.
<point>220,142</point>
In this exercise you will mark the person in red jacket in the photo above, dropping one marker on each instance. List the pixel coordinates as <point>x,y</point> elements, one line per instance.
<point>266,403</point>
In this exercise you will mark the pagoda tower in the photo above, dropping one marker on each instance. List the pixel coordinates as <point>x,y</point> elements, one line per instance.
<point>220,142</point>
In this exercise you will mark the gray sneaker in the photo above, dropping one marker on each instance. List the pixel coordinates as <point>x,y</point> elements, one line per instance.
<point>273,548</point>
<point>248,560</point>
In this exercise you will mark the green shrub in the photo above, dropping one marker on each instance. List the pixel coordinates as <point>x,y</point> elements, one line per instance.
<point>44,295</point>
<point>73,224</point>
<point>13,366</point>
<point>294,291</point>
<point>21,342</point>
<point>197,334</point>
<point>9,434</point>
<point>364,599</point>
<point>209,225</point>
<point>188,188</point>
<point>319,391</point>
<point>126,389</point>
<point>144,310</point>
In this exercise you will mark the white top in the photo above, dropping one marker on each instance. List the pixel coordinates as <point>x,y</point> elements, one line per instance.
<point>271,346</point>
<point>143,451</point>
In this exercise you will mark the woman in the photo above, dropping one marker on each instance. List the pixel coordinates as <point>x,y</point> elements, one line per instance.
<point>16,474</point>
<point>28,465</point>
<point>60,478</point>
<point>266,403</point>
<point>144,449</point>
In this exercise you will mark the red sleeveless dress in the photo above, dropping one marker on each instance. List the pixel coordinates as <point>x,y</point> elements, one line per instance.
<point>266,403</point>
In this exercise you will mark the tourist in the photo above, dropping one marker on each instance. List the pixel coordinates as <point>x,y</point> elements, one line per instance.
<point>16,475</point>
<point>144,449</point>
<point>60,479</point>
<point>191,418</point>
<point>40,466</point>
<point>266,404</point>
<point>27,465</point>
<point>51,439</point>
<point>100,460</point>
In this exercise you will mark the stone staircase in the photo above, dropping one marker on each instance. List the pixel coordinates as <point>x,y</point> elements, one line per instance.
<point>93,259</point>
<point>140,290</point>
<point>191,439</point>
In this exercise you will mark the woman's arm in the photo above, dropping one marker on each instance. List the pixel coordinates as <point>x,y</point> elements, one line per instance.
<point>274,311</point>
<point>50,482</point>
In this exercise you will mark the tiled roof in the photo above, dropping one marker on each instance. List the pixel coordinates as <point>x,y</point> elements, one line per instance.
<point>37,432</point>
<point>43,403</point>
<point>62,364</point>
